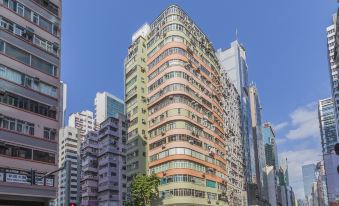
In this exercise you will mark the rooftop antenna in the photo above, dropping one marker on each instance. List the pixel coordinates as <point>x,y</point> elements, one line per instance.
<point>236,34</point>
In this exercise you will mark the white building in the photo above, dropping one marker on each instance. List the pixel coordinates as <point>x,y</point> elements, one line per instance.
<point>69,147</point>
<point>83,121</point>
<point>271,185</point>
<point>107,105</point>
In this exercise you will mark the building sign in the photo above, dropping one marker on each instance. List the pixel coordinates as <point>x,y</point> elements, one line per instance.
<point>17,178</point>
<point>49,182</point>
<point>39,180</point>
<point>24,177</point>
<point>2,176</point>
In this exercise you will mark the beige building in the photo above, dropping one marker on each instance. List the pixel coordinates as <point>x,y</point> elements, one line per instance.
<point>184,116</point>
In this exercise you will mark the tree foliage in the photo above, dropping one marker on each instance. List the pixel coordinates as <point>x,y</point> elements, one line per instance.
<point>144,188</point>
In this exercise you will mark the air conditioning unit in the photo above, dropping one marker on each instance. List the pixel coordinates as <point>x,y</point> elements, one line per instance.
<point>191,141</point>
<point>163,133</point>
<point>210,169</point>
<point>211,153</point>
<point>2,91</point>
<point>163,146</point>
<point>36,79</point>
<point>53,108</point>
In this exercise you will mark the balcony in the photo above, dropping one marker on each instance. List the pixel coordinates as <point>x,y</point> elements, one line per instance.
<point>27,34</point>
<point>89,177</point>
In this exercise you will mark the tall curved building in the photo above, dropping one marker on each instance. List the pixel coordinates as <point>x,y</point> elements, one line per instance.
<point>193,119</point>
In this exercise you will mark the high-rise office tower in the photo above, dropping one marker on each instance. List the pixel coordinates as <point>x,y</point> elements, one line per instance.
<point>285,194</point>
<point>331,160</point>
<point>30,99</point>
<point>83,121</point>
<point>107,105</point>
<point>271,153</point>
<point>69,149</point>
<point>259,151</point>
<point>233,61</point>
<point>271,187</point>
<point>283,176</point>
<point>136,103</point>
<point>308,179</point>
<point>180,105</point>
<point>331,45</point>
<point>328,131</point>
<point>235,150</point>
<point>321,184</point>
<point>103,179</point>
<point>327,123</point>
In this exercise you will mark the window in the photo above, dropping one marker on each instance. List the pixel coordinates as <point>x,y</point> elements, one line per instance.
<point>17,54</point>
<point>46,25</point>
<point>43,66</point>
<point>35,18</point>
<point>27,104</point>
<point>2,46</point>
<point>48,5</point>
<point>20,9</point>
<point>210,183</point>
<point>43,156</point>
<point>16,151</point>
<point>49,133</point>
<point>10,75</point>
<point>16,125</point>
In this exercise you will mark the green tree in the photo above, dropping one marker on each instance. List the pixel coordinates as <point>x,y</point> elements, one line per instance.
<point>144,188</point>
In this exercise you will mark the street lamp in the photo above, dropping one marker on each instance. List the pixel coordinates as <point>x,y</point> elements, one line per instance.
<point>67,168</point>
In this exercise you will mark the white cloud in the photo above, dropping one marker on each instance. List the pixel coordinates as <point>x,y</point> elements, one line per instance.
<point>280,126</point>
<point>296,159</point>
<point>305,122</point>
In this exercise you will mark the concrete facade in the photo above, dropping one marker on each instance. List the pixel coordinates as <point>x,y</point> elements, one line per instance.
<point>184,114</point>
<point>136,104</point>
<point>30,99</point>
<point>83,121</point>
<point>103,179</point>
<point>233,62</point>
<point>69,149</point>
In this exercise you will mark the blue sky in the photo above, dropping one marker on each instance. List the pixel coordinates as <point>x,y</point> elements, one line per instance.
<point>286,51</point>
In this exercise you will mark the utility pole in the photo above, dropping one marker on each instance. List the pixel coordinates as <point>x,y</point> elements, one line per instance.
<point>67,168</point>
